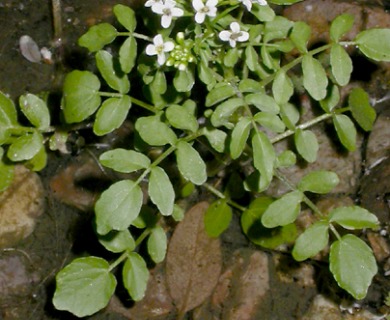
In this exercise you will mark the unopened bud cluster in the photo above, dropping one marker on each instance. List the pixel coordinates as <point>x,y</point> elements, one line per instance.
<point>181,55</point>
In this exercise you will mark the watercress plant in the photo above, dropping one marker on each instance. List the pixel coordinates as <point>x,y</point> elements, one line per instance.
<point>206,79</point>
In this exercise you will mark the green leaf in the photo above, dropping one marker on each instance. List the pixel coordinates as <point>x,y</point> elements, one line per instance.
<point>128,54</point>
<point>8,113</point>
<point>239,137</point>
<point>35,110</point>
<point>263,13</point>
<point>118,206</point>
<point>135,276</point>
<point>311,241</point>
<point>125,16</point>
<point>331,100</point>
<point>306,144</point>
<point>374,43</point>
<point>341,64</point>
<point>6,174</point>
<point>84,287</point>
<point>118,241</point>
<point>217,218</point>
<point>190,164</point>
<point>231,57</point>
<point>161,191</point>
<point>25,147</point>
<point>224,110</point>
<point>321,182</point>
<point>38,161</point>
<point>184,80</point>
<point>111,115</point>
<point>257,233</point>
<point>206,75</point>
<point>159,83</point>
<point>251,58</point>
<point>315,80</point>
<point>353,265</point>
<point>353,217</point>
<point>278,28</point>
<point>263,102</point>
<point>157,244</point>
<point>98,36</point>
<point>219,94</point>
<point>250,85</point>
<point>290,115</point>
<point>346,131</point>
<point>282,87</point>
<point>154,132</point>
<point>283,211</point>
<point>181,118</point>
<point>216,138</point>
<point>81,95</point>
<point>362,112</point>
<point>125,161</point>
<point>270,61</point>
<point>286,159</point>
<point>263,155</point>
<point>270,121</point>
<point>105,64</point>
<point>300,35</point>
<point>340,26</point>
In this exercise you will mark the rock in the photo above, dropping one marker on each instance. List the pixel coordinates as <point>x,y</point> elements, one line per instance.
<point>242,287</point>
<point>379,246</point>
<point>323,309</point>
<point>20,205</point>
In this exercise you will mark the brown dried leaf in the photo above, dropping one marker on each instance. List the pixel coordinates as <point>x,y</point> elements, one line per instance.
<point>193,261</point>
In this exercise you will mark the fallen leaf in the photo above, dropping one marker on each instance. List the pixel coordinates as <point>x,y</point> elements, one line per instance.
<point>193,261</point>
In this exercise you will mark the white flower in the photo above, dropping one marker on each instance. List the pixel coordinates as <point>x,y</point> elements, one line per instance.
<point>248,3</point>
<point>234,35</point>
<point>151,3</point>
<point>159,47</point>
<point>203,10</point>
<point>168,10</point>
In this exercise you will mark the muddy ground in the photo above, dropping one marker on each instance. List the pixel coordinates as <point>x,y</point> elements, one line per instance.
<point>278,288</point>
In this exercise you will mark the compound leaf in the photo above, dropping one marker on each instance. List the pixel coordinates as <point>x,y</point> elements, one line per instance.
<point>346,131</point>
<point>321,182</point>
<point>157,244</point>
<point>374,43</point>
<point>190,164</point>
<point>362,112</point>
<point>135,276</point>
<point>311,241</point>
<point>98,36</point>
<point>283,211</point>
<point>105,64</point>
<point>35,110</point>
<point>353,217</point>
<point>111,115</point>
<point>25,147</point>
<point>125,16</point>
<point>125,161</point>
<point>239,137</point>
<point>315,79</point>
<point>341,64</point>
<point>155,132</point>
<point>161,191</point>
<point>340,26</point>
<point>118,206</point>
<point>81,95</point>
<point>353,265</point>
<point>217,218</point>
<point>84,287</point>
<point>306,144</point>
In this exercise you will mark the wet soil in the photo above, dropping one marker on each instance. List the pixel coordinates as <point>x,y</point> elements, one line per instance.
<point>27,271</point>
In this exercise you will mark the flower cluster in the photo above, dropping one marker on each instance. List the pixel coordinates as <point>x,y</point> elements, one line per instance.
<point>180,54</point>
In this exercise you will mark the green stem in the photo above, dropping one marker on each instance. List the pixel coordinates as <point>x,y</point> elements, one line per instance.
<point>220,195</point>
<point>302,126</point>
<point>138,102</point>
<point>118,261</point>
